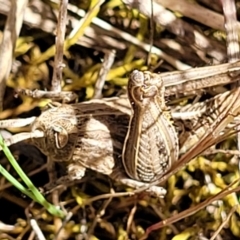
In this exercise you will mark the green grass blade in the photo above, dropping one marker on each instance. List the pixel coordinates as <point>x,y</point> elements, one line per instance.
<point>33,192</point>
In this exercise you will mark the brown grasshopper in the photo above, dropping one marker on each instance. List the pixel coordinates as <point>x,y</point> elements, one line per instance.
<point>91,134</point>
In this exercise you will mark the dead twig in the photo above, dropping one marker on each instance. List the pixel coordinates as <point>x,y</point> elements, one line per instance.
<point>107,64</point>
<point>58,61</point>
<point>11,32</point>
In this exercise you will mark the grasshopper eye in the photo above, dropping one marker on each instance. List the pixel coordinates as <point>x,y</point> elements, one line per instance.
<point>60,136</point>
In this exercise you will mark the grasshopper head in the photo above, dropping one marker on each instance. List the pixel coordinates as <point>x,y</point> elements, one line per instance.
<point>60,128</point>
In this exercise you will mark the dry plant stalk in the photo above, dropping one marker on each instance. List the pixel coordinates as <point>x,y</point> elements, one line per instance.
<point>58,61</point>
<point>10,34</point>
